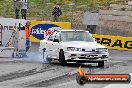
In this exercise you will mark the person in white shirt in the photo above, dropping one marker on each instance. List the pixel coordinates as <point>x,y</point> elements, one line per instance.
<point>24,7</point>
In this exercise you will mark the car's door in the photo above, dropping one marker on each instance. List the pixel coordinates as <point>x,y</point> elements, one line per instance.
<point>49,45</point>
<point>56,45</point>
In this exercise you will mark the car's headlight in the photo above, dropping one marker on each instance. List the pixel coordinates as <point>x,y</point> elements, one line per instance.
<point>102,50</point>
<point>73,49</point>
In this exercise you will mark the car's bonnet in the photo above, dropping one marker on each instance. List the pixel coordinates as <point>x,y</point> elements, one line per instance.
<point>82,44</point>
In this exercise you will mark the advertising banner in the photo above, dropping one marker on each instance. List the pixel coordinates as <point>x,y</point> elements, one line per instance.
<point>42,29</point>
<point>7,25</point>
<point>39,29</point>
<point>115,42</point>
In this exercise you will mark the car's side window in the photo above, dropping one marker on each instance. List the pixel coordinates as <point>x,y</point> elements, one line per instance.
<point>57,36</point>
<point>52,36</point>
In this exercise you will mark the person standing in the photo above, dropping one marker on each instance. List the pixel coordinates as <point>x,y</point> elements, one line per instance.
<point>17,8</point>
<point>56,13</point>
<point>28,33</point>
<point>24,7</point>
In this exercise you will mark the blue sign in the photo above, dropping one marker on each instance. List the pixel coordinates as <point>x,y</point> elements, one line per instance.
<point>41,31</point>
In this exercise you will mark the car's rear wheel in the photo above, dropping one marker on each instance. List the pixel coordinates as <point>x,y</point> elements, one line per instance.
<point>62,58</point>
<point>101,64</point>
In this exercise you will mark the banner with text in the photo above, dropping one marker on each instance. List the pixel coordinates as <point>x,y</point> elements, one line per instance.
<point>115,42</point>
<point>42,29</point>
<point>7,26</point>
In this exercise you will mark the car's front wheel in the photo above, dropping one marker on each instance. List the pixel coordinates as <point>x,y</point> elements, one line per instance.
<point>62,58</point>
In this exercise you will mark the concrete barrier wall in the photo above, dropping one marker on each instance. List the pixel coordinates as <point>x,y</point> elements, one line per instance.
<point>119,7</point>
<point>115,12</point>
<point>116,18</point>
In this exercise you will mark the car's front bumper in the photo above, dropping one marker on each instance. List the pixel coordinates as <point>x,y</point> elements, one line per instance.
<point>89,56</point>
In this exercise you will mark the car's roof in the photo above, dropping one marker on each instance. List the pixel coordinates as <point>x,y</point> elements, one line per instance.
<point>70,30</point>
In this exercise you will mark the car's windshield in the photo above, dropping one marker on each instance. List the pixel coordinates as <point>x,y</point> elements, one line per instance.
<point>76,36</point>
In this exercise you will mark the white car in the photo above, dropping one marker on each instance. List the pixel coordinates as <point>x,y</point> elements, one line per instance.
<point>74,46</point>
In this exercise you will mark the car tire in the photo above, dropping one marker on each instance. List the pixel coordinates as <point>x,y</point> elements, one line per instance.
<point>101,64</point>
<point>62,58</point>
<point>43,50</point>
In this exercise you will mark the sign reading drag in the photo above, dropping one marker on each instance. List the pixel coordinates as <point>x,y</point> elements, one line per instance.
<point>41,31</point>
<point>115,42</point>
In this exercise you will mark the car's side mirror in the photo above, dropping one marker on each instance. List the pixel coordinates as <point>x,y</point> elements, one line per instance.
<point>56,40</point>
<point>97,40</point>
